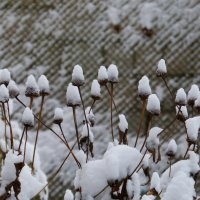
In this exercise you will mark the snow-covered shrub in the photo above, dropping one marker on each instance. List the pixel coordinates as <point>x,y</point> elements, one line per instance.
<point>146,170</point>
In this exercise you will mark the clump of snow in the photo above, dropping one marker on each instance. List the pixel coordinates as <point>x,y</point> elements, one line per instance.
<point>197,102</point>
<point>123,124</point>
<point>73,96</point>
<point>114,16</point>
<point>68,195</point>
<point>32,89</point>
<point>27,117</point>
<point>155,182</point>
<point>193,94</point>
<point>133,187</point>
<point>4,94</point>
<point>148,197</point>
<point>13,89</point>
<point>144,89</point>
<point>112,73</point>
<point>102,75</point>
<point>90,116</point>
<point>4,76</point>
<point>181,97</point>
<point>162,68</point>
<point>171,148</point>
<point>182,113</point>
<point>43,84</point>
<point>153,105</point>
<point>58,116</point>
<point>77,76</point>
<point>95,90</point>
<point>84,133</point>
<point>145,162</point>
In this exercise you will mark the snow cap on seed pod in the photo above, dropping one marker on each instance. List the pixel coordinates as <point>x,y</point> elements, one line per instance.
<point>43,84</point>
<point>123,124</point>
<point>197,103</point>
<point>181,113</point>
<point>145,162</point>
<point>32,89</point>
<point>84,133</point>
<point>161,68</point>
<point>144,89</point>
<point>95,90</point>
<point>112,74</point>
<point>28,118</point>
<point>58,116</point>
<point>155,183</point>
<point>4,76</point>
<point>68,195</point>
<point>193,94</point>
<point>102,75</point>
<point>13,89</point>
<point>73,96</point>
<point>4,94</point>
<point>90,116</point>
<point>171,148</point>
<point>181,97</point>
<point>153,104</point>
<point>77,76</point>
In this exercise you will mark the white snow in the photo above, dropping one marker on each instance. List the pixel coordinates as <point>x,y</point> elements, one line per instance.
<point>4,94</point>
<point>114,15</point>
<point>193,93</point>
<point>73,96</point>
<point>197,101</point>
<point>4,76</point>
<point>145,162</point>
<point>58,115</point>
<point>32,86</point>
<point>181,97</point>
<point>172,147</point>
<point>90,116</point>
<point>13,89</point>
<point>183,111</point>
<point>68,195</point>
<point>77,76</point>
<point>162,68</point>
<point>102,75</point>
<point>155,182</point>
<point>43,84</point>
<point>84,132</point>
<point>27,117</point>
<point>95,89</point>
<point>153,104</point>
<point>112,73</point>
<point>123,124</point>
<point>144,88</point>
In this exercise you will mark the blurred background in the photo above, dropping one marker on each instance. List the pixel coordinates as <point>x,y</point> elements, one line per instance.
<point>51,36</point>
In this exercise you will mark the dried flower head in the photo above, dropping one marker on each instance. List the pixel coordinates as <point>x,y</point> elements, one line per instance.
<point>58,116</point>
<point>113,74</point>
<point>161,69</point>
<point>73,96</point>
<point>153,105</point>
<point>43,84</point>
<point>32,89</point>
<point>102,76</point>
<point>13,89</point>
<point>4,94</point>
<point>181,97</point>
<point>28,118</point>
<point>4,76</point>
<point>197,103</point>
<point>181,113</point>
<point>171,148</point>
<point>77,76</point>
<point>193,94</point>
<point>95,90</point>
<point>144,89</point>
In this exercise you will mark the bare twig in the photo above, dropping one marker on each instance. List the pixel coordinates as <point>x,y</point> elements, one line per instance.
<point>76,126</point>
<point>111,113</point>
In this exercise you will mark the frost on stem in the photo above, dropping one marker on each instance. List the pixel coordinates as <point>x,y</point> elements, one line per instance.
<point>171,148</point>
<point>193,94</point>
<point>144,89</point>
<point>58,116</point>
<point>4,77</point>
<point>181,97</point>
<point>90,116</point>
<point>13,89</point>
<point>32,89</point>
<point>73,96</point>
<point>68,195</point>
<point>155,187</point>
<point>161,68</point>
<point>102,75</point>
<point>153,105</point>
<point>43,84</point>
<point>182,113</point>
<point>112,74</point>
<point>95,90</point>
<point>4,94</point>
<point>28,118</point>
<point>77,76</point>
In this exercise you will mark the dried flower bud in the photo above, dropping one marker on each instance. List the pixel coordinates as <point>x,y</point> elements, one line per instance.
<point>32,89</point>
<point>197,103</point>
<point>123,124</point>
<point>102,76</point>
<point>144,89</point>
<point>43,84</point>
<point>77,76</point>
<point>161,69</point>
<point>193,94</point>
<point>181,97</point>
<point>4,77</point>
<point>58,116</point>
<point>153,105</point>
<point>4,94</point>
<point>28,118</point>
<point>90,116</point>
<point>73,96</point>
<point>95,90</point>
<point>181,113</point>
<point>13,89</point>
<point>171,148</point>
<point>113,74</point>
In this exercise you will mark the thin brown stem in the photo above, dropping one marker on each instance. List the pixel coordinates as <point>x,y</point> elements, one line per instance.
<point>141,120</point>
<point>101,191</point>
<point>20,143</point>
<point>92,105</point>
<point>166,84</point>
<point>76,126</point>
<point>37,133</point>
<point>170,166</point>
<point>5,128</point>
<point>186,151</point>
<point>31,102</point>
<point>26,134</point>
<point>111,113</point>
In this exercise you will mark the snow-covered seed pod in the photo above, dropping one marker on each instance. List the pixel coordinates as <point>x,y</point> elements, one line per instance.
<point>197,103</point>
<point>161,68</point>
<point>43,84</point>
<point>28,117</point>
<point>153,105</point>
<point>112,74</point>
<point>102,75</point>
<point>144,89</point>
<point>171,148</point>
<point>95,90</point>
<point>90,116</point>
<point>5,76</point>
<point>181,113</point>
<point>4,94</point>
<point>77,76</point>
<point>73,96</point>
<point>68,195</point>
<point>181,97</point>
<point>32,89</point>
<point>193,94</point>
<point>123,129</point>
<point>58,116</point>
<point>13,89</point>
<point>155,184</point>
